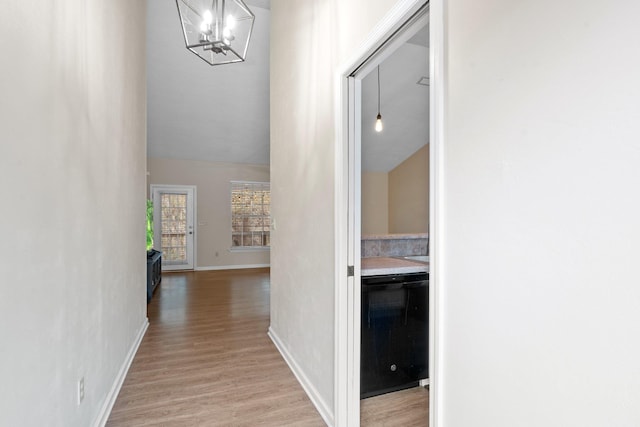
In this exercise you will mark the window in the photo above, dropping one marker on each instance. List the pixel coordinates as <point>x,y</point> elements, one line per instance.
<point>250,214</point>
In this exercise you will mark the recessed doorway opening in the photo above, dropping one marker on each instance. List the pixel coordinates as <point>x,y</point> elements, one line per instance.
<point>404,35</point>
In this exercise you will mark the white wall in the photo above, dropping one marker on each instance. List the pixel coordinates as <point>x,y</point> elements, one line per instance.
<point>540,286</point>
<point>540,318</point>
<point>72,167</point>
<point>309,41</point>
<point>213,232</point>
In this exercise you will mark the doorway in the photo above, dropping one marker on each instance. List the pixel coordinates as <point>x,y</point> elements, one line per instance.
<point>401,24</point>
<point>395,224</point>
<point>173,225</point>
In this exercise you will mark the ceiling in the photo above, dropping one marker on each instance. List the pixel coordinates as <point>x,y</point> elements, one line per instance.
<point>404,106</point>
<point>196,111</point>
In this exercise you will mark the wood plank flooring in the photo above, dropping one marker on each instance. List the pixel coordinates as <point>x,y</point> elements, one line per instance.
<point>406,408</point>
<point>206,360</point>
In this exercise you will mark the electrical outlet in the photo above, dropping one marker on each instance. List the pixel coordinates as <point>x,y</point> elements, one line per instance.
<point>80,390</point>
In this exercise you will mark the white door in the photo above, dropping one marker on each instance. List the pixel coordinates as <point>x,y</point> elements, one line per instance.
<point>173,225</point>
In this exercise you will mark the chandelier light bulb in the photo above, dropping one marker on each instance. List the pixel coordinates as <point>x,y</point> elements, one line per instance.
<point>207,17</point>
<point>378,123</point>
<point>231,22</point>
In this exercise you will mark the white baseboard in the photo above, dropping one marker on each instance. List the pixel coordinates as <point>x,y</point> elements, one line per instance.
<point>117,384</point>
<point>312,392</point>
<point>232,267</point>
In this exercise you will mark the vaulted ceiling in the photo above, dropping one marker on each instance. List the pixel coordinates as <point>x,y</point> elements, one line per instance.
<point>404,106</point>
<point>221,113</point>
<point>196,111</point>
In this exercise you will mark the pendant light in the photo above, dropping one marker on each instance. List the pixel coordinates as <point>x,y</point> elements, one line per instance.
<point>218,31</point>
<point>378,126</point>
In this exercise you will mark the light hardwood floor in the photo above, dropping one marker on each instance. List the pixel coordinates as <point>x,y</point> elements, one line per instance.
<point>406,408</point>
<point>206,360</point>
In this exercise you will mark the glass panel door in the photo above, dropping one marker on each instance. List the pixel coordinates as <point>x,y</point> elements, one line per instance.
<point>173,226</point>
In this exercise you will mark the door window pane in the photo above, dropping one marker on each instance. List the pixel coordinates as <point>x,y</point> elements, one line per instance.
<point>174,228</point>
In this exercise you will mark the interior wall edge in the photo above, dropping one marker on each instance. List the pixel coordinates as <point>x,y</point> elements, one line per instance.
<point>324,409</point>
<point>105,411</point>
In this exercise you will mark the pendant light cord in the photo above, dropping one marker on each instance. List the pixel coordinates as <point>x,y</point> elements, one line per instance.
<point>378,89</point>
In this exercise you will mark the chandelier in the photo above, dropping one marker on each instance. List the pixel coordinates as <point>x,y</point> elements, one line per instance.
<point>218,31</point>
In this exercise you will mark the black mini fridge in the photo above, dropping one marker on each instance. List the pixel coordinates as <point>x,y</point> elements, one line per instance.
<point>394,333</point>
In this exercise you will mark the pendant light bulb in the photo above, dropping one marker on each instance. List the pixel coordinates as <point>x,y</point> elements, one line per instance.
<point>378,123</point>
<point>378,126</point>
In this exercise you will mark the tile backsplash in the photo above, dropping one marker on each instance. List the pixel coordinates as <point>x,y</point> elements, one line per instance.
<point>391,245</point>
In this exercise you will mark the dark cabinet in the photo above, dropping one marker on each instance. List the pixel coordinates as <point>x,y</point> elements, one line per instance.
<point>394,333</point>
<point>154,271</point>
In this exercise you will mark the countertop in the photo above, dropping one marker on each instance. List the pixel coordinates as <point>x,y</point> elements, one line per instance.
<point>379,266</point>
<point>395,236</point>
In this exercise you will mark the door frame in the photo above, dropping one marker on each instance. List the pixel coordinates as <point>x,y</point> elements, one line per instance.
<point>190,190</point>
<point>347,209</point>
